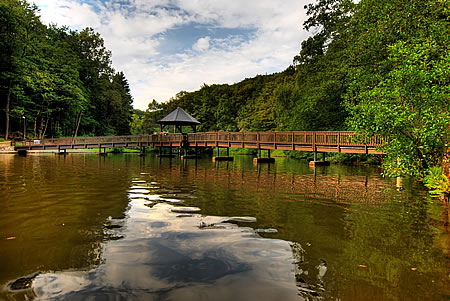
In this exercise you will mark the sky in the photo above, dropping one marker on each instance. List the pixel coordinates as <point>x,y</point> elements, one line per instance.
<point>167,46</point>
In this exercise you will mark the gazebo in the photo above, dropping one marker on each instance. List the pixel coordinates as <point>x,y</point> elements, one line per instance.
<point>178,118</point>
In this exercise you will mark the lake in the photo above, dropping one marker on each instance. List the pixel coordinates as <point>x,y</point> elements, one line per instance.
<point>124,227</point>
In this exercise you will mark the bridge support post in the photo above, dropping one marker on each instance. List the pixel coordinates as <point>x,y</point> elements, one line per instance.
<point>100,151</point>
<point>319,163</point>
<point>260,159</point>
<point>141,151</point>
<point>61,151</point>
<point>186,156</point>
<point>222,158</point>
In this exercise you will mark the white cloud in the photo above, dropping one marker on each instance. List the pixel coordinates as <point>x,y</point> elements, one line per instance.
<point>69,12</point>
<point>202,44</point>
<point>135,31</point>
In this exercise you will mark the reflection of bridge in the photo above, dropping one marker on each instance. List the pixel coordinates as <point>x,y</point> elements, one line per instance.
<point>342,142</point>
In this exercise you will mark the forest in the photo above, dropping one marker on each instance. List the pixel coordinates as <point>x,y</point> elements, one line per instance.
<point>374,66</point>
<point>55,81</point>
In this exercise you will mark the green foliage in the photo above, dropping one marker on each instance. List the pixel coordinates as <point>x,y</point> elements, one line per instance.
<point>380,67</point>
<point>136,122</point>
<point>254,104</point>
<point>437,182</point>
<point>403,94</point>
<point>154,112</point>
<point>60,80</point>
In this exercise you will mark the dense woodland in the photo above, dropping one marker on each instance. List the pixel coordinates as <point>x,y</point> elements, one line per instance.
<point>376,66</point>
<point>58,81</point>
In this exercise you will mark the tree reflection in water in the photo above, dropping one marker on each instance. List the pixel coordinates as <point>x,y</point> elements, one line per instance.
<point>350,232</point>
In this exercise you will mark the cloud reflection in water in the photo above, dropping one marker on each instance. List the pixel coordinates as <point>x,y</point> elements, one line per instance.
<point>165,257</point>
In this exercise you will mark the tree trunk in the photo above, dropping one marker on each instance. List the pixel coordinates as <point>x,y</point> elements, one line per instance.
<point>8,102</point>
<point>46,125</point>
<point>34,128</point>
<point>76,130</point>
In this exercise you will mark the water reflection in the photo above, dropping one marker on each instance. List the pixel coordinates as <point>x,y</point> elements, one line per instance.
<point>160,228</point>
<point>162,255</point>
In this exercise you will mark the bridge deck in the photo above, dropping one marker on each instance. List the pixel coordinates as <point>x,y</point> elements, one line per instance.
<point>336,141</point>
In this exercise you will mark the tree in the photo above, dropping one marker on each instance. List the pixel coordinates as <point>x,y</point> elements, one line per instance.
<point>17,20</point>
<point>322,68</point>
<point>136,122</point>
<point>400,86</point>
<point>410,107</point>
<point>154,112</point>
<point>60,80</point>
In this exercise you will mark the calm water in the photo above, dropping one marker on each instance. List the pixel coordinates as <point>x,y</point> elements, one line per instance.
<point>143,228</point>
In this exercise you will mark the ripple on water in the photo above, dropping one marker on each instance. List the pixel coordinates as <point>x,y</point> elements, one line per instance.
<point>268,230</point>
<point>138,196</point>
<point>240,219</point>
<point>146,191</point>
<point>185,209</point>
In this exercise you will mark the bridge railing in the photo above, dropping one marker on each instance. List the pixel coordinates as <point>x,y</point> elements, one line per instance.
<point>172,138</point>
<point>332,138</point>
<point>305,138</point>
<point>90,140</point>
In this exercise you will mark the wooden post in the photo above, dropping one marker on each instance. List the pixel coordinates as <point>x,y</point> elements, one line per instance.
<point>293,147</point>
<point>339,142</point>
<point>314,143</point>
<point>258,135</point>
<point>275,140</point>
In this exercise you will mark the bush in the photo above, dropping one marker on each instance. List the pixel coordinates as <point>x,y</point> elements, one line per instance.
<point>437,182</point>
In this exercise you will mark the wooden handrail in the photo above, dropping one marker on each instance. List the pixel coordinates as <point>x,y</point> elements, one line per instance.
<point>285,140</point>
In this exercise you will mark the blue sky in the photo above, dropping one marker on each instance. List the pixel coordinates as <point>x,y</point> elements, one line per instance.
<point>166,46</point>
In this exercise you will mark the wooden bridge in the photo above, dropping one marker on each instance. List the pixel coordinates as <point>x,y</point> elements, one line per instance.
<point>319,141</point>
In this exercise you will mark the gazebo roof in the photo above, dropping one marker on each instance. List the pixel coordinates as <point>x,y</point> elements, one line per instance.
<point>179,117</point>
